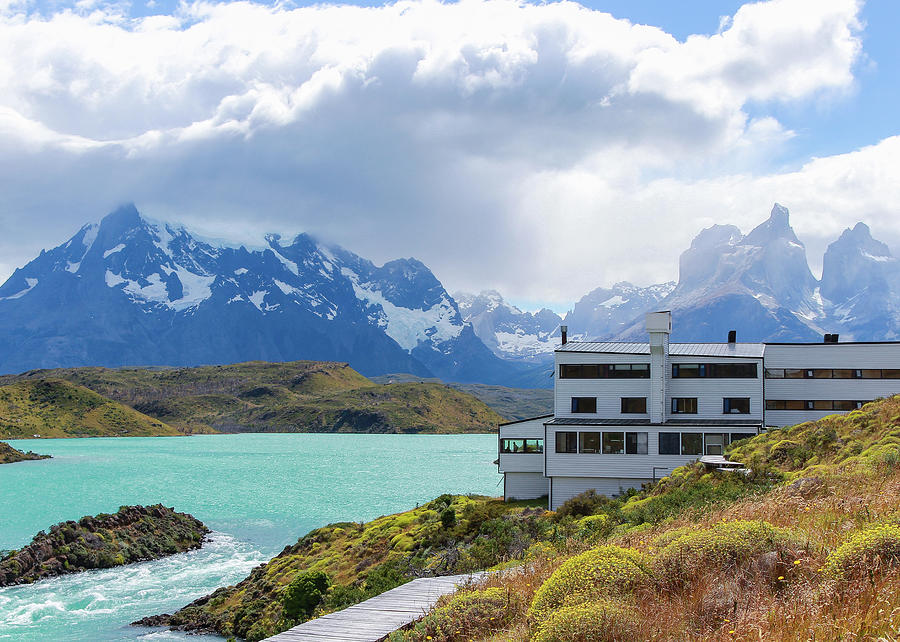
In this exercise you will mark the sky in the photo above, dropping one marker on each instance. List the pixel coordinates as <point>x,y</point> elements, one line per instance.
<point>539,149</point>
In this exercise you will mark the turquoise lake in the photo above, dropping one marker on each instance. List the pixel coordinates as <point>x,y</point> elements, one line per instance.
<point>257,492</point>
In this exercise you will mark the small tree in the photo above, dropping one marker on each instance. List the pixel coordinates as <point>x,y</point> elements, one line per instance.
<point>304,594</point>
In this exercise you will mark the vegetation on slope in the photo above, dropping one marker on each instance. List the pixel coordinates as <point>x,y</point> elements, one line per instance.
<point>10,455</point>
<point>133,534</point>
<point>808,547</point>
<point>57,408</point>
<point>300,396</point>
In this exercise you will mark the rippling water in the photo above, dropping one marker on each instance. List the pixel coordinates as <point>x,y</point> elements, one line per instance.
<point>257,492</point>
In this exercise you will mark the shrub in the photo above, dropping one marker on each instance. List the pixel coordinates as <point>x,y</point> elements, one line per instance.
<point>585,577</point>
<point>587,503</point>
<point>595,527</point>
<point>448,518</point>
<point>467,614</point>
<point>870,548</point>
<point>724,546</point>
<point>303,594</point>
<point>598,621</point>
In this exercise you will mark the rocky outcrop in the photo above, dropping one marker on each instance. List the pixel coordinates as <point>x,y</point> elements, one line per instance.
<point>10,455</point>
<point>134,534</point>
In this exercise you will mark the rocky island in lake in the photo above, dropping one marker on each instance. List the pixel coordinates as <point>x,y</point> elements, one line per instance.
<point>10,455</point>
<point>133,534</point>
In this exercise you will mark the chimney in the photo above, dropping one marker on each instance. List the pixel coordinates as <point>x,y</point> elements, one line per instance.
<point>732,336</point>
<point>831,338</point>
<point>564,330</point>
<point>659,326</point>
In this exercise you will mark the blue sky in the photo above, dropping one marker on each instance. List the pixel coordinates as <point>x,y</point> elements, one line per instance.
<point>538,149</point>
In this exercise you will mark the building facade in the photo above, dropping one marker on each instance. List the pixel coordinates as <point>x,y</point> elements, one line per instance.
<point>629,413</point>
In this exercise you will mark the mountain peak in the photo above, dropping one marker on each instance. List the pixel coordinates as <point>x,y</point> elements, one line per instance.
<point>777,226</point>
<point>123,218</point>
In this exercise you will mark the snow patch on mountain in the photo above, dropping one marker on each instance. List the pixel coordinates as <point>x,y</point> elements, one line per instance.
<point>116,249</point>
<point>30,283</point>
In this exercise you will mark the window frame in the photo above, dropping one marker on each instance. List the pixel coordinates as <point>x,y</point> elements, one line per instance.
<point>576,403</point>
<point>624,400</point>
<point>727,404</point>
<point>686,410</point>
<point>570,439</point>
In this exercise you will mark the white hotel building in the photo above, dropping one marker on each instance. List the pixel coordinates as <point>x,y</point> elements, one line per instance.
<point>629,413</point>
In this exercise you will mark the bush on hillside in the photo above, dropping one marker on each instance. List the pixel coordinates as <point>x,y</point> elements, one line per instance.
<point>467,614</point>
<point>872,549</point>
<point>601,571</point>
<point>597,621</point>
<point>725,546</point>
<point>595,527</point>
<point>587,503</point>
<point>304,594</point>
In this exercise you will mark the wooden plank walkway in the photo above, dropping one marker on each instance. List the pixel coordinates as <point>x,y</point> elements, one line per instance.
<point>377,617</point>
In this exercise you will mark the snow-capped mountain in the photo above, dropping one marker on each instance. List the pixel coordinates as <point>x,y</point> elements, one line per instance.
<point>508,331</point>
<point>132,291</point>
<point>605,312</point>
<point>761,285</point>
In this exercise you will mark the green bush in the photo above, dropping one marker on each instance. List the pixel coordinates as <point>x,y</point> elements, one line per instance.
<point>595,527</point>
<point>587,503</point>
<point>597,621</point>
<point>448,518</point>
<point>868,549</point>
<point>468,614</point>
<point>588,576</point>
<point>304,594</point>
<point>724,546</point>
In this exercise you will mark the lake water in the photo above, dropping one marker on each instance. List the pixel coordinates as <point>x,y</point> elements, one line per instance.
<point>257,492</point>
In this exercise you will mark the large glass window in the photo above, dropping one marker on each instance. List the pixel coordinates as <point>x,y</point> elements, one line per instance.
<point>736,405</point>
<point>634,405</point>
<point>590,442</point>
<point>714,370</point>
<point>815,404</point>
<point>794,373</point>
<point>737,436</point>
<point>691,443</point>
<point>831,373</point>
<point>635,443</point>
<point>613,443</point>
<point>774,373</point>
<point>669,443</point>
<point>580,371</point>
<point>584,404</point>
<point>567,442</point>
<point>684,405</point>
<point>629,371</point>
<point>514,446</point>
<point>604,370</point>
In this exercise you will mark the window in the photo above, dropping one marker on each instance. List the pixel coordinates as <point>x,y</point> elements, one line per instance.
<point>684,405</point>
<point>794,404</point>
<point>613,443</point>
<point>870,374</point>
<point>737,436</point>
<point>793,373</point>
<point>635,443</point>
<point>774,373</point>
<point>584,404</point>
<point>714,370</point>
<point>736,405</point>
<point>629,371</point>
<point>567,442</point>
<point>669,443</point>
<point>634,405</point>
<point>830,373</point>
<point>590,442</point>
<point>514,446</point>
<point>691,443</point>
<point>815,404</point>
<point>890,374</point>
<point>580,371</point>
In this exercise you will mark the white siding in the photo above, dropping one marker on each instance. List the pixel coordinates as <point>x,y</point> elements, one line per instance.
<point>608,392</point>
<point>563,488</point>
<point>635,467</point>
<point>529,429</point>
<point>525,486</point>
<point>522,462</point>
<point>834,355</point>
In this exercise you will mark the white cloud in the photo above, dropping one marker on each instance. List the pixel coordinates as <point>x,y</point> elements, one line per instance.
<point>527,147</point>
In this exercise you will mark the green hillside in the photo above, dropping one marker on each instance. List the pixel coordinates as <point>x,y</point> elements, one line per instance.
<point>804,547</point>
<point>10,455</point>
<point>301,396</point>
<point>57,408</point>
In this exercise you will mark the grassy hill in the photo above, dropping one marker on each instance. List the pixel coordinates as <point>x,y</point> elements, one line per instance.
<point>511,403</point>
<point>10,455</point>
<point>57,408</point>
<point>807,546</point>
<point>300,396</point>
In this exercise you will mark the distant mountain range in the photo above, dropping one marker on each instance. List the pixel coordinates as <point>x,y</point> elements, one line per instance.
<point>130,291</point>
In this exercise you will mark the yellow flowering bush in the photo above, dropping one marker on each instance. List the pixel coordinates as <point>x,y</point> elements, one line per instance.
<point>873,547</point>
<point>596,621</point>
<point>590,575</point>
<point>723,546</point>
<point>466,614</point>
<point>595,527</point>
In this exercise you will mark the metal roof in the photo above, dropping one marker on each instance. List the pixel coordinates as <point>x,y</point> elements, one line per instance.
<point>744,350</point>
<point>520,421</point>
<point>586,421</point>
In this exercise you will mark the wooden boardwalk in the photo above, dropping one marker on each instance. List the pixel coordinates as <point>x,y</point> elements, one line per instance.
<point>378,617</point>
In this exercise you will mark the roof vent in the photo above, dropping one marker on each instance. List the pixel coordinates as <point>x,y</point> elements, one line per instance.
<point>564,331</point>
<point>732,336</point>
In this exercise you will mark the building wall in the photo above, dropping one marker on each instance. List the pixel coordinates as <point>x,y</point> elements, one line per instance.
<point>710,391</point>
<point>607,391</point>
<point>563,488</point>
<point>640,467</point>
<point>523,462</point>
<point>525,486</point>
<point>840,355</point>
